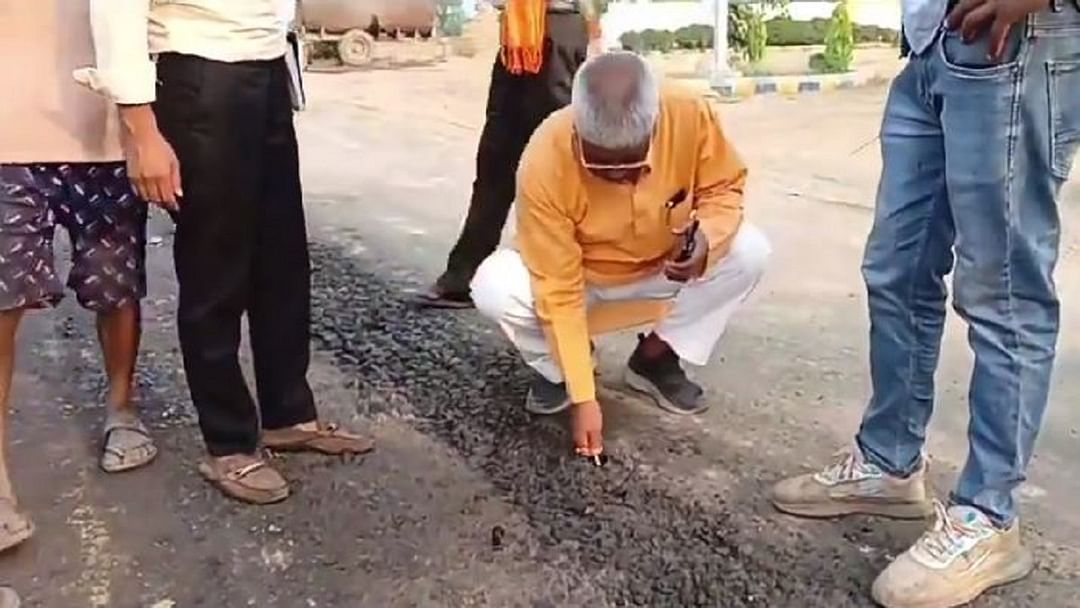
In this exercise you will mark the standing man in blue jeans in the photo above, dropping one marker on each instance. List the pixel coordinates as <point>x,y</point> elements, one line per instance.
<point>980,133</point>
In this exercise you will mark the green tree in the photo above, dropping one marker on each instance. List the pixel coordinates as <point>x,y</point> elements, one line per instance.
<point>748,35</point>
<point>451,17</point>
<point>840,40</point>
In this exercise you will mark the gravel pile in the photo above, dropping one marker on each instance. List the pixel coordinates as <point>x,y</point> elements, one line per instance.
<point>460,383</point>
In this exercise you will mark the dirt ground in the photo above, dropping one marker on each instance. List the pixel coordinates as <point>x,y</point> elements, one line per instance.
<point>469,502</point>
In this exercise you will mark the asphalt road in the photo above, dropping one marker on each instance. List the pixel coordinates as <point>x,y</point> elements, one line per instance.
<point>468,501</point>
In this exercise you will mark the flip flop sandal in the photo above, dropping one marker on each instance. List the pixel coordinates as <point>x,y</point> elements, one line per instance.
<point>15,528</point>
<point>242,483</point>
<point>434,298</point>
<point>130,457</point>
<point>328,439</point>
<point>8,598</point>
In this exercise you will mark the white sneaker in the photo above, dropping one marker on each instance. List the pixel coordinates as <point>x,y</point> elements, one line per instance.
<point>850,486</point>
<point>953,563</point>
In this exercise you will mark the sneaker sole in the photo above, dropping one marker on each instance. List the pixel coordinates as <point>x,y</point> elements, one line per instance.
<point>643,385</point>
<point>1010,569</point>
<point>539,411</point>
<point>907,510</point>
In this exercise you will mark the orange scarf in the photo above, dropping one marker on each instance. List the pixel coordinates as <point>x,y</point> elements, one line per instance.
<point>523,28</point>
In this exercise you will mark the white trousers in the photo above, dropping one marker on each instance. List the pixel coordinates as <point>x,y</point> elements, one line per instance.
<point>700,313</point>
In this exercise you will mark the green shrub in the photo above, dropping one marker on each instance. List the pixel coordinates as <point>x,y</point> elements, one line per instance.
<point>872,33</point>
<point>632,41</point>
<point>662,41</point>
<point>784,31</point>
<point>787,32</point>
<point>695,37</point>
<point>757,38</point>
<point>840,40</point>
<point>748,34</point>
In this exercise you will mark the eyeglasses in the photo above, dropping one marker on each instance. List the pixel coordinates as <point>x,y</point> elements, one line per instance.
<point>643,164</point>
<point>591,166</point>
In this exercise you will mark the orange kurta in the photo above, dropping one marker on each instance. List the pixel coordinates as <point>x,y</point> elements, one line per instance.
<point>574,229</point>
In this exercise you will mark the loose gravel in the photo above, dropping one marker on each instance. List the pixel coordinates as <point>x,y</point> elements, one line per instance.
<point>462,384</point>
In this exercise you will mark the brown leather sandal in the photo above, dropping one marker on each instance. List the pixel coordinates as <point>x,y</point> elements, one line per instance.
<point>255,483</point>
<point>326,439</point>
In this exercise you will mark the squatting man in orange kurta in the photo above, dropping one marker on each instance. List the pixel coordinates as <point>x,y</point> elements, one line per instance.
<point>630,194</point>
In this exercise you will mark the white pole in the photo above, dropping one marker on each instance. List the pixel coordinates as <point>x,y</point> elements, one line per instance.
<point>721,66</point>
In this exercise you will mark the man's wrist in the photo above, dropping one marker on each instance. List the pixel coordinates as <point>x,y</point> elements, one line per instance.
<point>137,119</point>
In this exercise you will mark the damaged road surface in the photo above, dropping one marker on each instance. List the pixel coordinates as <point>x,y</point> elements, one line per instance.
<point>467,502</point>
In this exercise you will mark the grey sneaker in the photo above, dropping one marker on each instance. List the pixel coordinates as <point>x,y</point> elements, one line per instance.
<point>953,563</point>
<point>664,380</point>
<point>546,397</point>
<point>852,486</point>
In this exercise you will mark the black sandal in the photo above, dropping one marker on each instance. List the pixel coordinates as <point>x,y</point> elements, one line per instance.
<point>438,298</point>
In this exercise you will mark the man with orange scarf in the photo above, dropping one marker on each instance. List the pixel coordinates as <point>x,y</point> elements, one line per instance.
<point>544,42</point>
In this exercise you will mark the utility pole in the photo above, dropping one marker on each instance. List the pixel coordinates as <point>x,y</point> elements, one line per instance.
<point>721,67</point>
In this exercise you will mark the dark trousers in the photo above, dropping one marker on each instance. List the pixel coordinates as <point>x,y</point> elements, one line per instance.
<point>241,244</point>
<point>517,104</point>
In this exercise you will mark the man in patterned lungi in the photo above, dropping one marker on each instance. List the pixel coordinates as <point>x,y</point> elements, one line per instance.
<point>61,165</point>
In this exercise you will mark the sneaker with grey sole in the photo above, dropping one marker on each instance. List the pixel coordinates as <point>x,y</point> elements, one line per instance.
<point>546,397</point>
<point>664,380</point>
<point>852,486</point>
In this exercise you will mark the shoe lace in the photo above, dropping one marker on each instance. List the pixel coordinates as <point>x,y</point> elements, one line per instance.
<point>949,537</point>
<point>846,466</point>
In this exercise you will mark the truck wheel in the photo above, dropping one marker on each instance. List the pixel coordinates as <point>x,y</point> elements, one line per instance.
<point>356,48</point>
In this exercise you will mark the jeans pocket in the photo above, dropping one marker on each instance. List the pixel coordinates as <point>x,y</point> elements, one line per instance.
<point>971,60</point>
<point>1064,89</point>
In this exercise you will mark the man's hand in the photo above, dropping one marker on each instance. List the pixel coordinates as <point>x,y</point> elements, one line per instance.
<point>587,425</point>
<point>974,17</point>
<point>693,265</point>
<point>152,165</point>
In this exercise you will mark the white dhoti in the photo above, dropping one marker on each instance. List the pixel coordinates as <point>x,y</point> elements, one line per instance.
<point>697,319</point>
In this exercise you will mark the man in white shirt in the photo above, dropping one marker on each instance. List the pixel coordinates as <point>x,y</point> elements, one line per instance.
<point>208,130</point>
<point>980,132</point>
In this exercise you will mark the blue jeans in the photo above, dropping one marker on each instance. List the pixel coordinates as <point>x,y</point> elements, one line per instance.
<point>975,154</point>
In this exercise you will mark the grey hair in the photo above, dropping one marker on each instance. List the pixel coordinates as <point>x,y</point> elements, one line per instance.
<point>623,114</point>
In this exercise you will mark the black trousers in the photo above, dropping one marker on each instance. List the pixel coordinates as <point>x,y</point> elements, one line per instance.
<point>241,244</point>
<point>517,104</point>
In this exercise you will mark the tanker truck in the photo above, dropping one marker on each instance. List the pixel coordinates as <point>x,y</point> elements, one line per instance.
<point>352,29</point>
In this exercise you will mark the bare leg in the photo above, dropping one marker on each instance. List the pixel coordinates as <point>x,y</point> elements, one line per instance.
<point>9,324</point>
<point>119,332</point>
<point>8,598</point>
<point>128,442</point>
<point>14,526</point>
